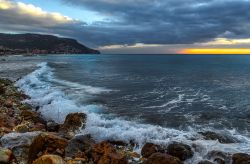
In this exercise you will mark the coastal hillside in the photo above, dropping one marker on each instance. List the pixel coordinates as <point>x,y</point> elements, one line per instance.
<point>40,44</point>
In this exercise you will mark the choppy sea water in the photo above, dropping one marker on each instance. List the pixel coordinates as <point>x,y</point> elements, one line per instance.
<point>144,98</point>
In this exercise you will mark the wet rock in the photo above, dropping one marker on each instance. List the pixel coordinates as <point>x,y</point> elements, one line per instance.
<point>32,116</point>
<point>5,155</point>
<point>52,126</point>
<point>104,152</point>
<point>20,144</point>
<point>205,162</point>
<point>149,149</point>
<point>26,107</point>
<point>219,157</point>
<point>241,158</point>
<point>49,159</point>
<point>81,143</point>
<point>162,158</point>
<point>180,150</point>
<point>219,161</point>
<point>215,136</point>
<point>73,122</point>
<point>47,143</point>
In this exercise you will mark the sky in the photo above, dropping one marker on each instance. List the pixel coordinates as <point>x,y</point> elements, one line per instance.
<point>136,26</point>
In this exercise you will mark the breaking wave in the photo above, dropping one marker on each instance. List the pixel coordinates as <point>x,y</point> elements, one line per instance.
<point>55,104</point>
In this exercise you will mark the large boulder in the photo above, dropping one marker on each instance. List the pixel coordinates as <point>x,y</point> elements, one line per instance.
<point>81,143</point>
<point>5,156</point>
<point>180,150</point>
<point>219,157</point>
<point>47,143</point>
<point>149,149</point>
<point>222,138</point>
<point>20,144</point>
<point>162,158</point>
<point>105,153</point>
<point>73,122</point>
<point>27,146</point>
<point>49,159</point>
<point>241,158</point>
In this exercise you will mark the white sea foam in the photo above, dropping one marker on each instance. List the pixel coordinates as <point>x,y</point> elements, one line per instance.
<point>55,104</point>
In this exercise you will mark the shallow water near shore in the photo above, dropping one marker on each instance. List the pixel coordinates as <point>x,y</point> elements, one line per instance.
<point>144,98</point>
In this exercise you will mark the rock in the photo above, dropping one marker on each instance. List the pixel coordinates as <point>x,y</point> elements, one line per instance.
<point>81,143</point>
<point>47,143</point>
<point>241,158</point>
<point>32,116</point>
<point>104,152</point>
<point>52,126</point>
<point>219,157</point>
<point>215,136</point>
<point>205,162</point>
<point>37,127</point>
<point>149,149</point>
<point>77,161</point>
<point>49,159</point>
<point>161,158</point>
<point>22,128</point>
<point>180,150</point>
<point>5,156</point>
<point>2,90</point>
<point>20,144</point>
<point>4,130</point>
<point>73,122</point>
<point>8,103</point>
<point>7,121</point>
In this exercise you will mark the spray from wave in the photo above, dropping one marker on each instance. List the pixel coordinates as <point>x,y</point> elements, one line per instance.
<point>54,104</point>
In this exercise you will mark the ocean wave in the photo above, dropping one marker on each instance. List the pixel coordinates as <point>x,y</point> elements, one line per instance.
<point>55,104</point>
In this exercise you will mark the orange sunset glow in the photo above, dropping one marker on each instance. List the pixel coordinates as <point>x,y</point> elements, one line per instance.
<point>215,51</point>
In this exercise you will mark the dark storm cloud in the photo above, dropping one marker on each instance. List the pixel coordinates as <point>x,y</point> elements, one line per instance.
<point>138,21</point>
<point>166,22</point>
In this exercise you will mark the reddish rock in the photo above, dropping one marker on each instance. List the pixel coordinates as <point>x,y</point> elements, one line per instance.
<point>105,153</point>
<point>46,143</point>
<point>161,158</point>
<point>7,121</point>
<point>73,122</point>
<point>241,158</point>
<point>180,150</point>
<point>149,149</point>
<point>49,159</point>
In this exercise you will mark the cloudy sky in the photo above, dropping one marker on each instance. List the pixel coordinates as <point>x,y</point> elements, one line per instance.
<point>136,26</point>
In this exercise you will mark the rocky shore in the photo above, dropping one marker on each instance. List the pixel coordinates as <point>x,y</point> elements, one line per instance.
<point>26,137</point>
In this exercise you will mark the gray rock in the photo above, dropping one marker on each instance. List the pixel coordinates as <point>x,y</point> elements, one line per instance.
<point>215,136</point>
<point>180,150</point>
<point>81,143</point>
<point>19,143</point>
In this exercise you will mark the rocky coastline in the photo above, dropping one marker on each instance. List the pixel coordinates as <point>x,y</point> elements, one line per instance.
<point>27,138</point>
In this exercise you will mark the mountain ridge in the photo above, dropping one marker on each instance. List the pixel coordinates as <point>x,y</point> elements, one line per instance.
<point>30,43</point>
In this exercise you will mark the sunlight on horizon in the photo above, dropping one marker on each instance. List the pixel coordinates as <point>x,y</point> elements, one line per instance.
<point>215,51</point>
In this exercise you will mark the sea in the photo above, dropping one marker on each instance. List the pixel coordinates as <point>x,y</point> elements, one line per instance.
<point>143,98</point>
